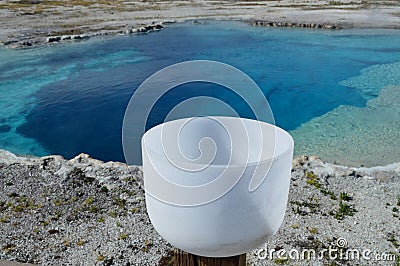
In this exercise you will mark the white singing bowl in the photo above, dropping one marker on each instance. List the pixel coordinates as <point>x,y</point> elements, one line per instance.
<point>216,186</point>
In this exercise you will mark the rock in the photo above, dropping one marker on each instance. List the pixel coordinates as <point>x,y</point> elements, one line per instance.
<point>51,163</point>
<point>398,168</point>
<point>6,155</point>
<point>64,171</point>
<point>26,13</point>
<point>158,26</point>
<point>54,39</point>
<point>81,158</point>
<point>25,43</point>
<point>9,42</point>
<point>79,37</point>
<point>66,37</point>
<point>168,22</point>
<point>149,28</point>
<point>5,128</point>
<point>53,231</point>
<point>142,30</point>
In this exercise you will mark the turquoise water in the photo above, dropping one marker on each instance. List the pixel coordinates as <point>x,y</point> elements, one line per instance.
<point>335,91</point>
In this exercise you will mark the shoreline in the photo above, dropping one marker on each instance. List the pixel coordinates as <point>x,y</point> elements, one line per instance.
<point>148,28</point>
<point>10,158</point>
<point>32,23</point>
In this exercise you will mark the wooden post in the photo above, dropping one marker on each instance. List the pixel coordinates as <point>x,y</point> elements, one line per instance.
<point>182,258</point>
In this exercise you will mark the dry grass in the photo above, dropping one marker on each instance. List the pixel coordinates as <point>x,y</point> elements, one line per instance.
<point>68,31</point>
<point>24,4</point>
<point>29,7</point>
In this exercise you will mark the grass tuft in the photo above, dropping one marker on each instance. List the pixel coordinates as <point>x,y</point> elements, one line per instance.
<point>123,236</point>
<point>344,196</point>
<point>281,261</point>
<point>8,247</point>
<point>328,193</point>
<point>312,179</point>
<point>343,210</point>
<point>393,240</point>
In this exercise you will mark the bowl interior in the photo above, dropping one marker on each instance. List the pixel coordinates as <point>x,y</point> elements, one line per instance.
<point>217,141</point>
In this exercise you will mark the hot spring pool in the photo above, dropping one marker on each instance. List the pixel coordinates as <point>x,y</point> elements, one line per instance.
<point>336,92</point>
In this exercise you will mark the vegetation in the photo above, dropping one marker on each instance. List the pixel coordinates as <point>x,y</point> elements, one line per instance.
<point>295,226</point>
<point>343,210</point>
<point>135,209</point>
<point>281,261</point>
<point>88,201</point>
<point>313,230</point>
<point>100,257</point>
<point>344,196</point>
<point>4,219</point>
<point>119,202</point>
<point>393,240</point>
<point>33,7</point>
<point>19,203</point>
<point>302,207</point>
<point>129,179</point>
<point>123,236</point>
<point>13,195</point>
<point>328,193</point>
<point>147,245</point>
<point>312,179</point>
<point>56,216</point>
<point>66,243</point>
<point>45,223</point>
<point>8,247</point>
<point>58,202</point>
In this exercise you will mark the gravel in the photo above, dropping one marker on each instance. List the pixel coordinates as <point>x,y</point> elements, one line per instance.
<point>31,23</point>
<point>85,212</point>
<point>77,212</point>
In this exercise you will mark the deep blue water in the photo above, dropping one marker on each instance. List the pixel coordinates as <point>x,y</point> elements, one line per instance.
<point>71,98</point>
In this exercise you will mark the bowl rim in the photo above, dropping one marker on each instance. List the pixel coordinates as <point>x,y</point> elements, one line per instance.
<point>275,157</point>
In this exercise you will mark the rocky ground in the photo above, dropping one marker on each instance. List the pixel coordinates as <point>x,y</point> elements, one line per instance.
<point>86,212</point>
<point>28,23</point>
